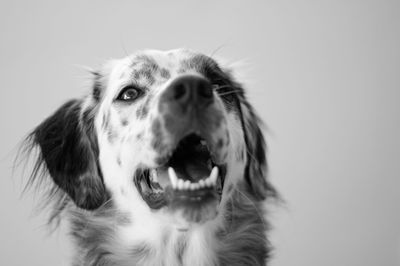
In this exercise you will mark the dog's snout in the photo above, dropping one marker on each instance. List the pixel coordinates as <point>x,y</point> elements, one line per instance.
<point>189,90</point>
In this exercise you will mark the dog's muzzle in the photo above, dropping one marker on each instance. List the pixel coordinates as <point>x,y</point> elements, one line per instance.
<point>192,148</point>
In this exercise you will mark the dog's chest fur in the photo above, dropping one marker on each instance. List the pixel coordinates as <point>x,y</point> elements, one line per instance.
<point>109,238</point>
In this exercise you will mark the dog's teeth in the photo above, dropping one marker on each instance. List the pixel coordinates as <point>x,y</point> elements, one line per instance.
<point>186,185</point>
<point>193,186</point>
<point>181,184</point>
<point>202,183</point>
<point>153,175</point>
<point>214,175</point>
<point>208,182</point>
<point>172,177</point>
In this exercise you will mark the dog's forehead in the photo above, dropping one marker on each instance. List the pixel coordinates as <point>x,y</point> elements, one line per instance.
<point>178,59</point>
<point>150,67</point>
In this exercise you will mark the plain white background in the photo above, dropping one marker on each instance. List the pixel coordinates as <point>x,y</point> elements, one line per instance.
<point>324,75</point>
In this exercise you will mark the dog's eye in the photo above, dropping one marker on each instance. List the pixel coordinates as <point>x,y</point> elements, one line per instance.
<point>129,93</point>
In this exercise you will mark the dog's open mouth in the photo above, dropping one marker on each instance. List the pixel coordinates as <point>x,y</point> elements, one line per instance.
<point>189,181</point>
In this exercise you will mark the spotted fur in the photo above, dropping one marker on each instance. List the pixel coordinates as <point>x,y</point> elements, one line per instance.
<point>94,149</point>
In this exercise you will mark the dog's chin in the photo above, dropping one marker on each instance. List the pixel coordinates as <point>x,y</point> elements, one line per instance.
<point>189,184</point>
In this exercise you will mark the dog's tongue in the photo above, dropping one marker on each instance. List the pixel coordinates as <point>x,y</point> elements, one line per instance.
<point>190,166</point>
<point>193,165</point>
<point>193,169</point>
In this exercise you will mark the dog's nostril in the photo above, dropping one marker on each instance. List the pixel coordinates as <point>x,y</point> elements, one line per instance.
<point>190,89</point>
<point>179,91</point>
<point>205,91</point>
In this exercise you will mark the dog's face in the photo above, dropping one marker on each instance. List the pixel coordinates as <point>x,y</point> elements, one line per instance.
<point>165,133</point>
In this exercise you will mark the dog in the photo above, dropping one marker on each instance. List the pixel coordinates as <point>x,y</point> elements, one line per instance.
<point>162,163</point>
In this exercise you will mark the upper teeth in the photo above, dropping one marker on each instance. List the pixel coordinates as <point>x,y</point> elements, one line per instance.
<point>153,176</point>
<point>187,185</point>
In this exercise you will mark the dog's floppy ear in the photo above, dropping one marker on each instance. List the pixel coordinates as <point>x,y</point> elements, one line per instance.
<point>256,165</point>
<point>69,152</point>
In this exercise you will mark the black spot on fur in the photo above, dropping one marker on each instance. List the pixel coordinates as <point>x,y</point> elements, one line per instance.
<point>165,73</point>
<point>181,70</point>
<point>198,62</point>
<point>148,68</point>
<point>112,134</point>
<point>145,73</point>
<point>151,80</point>
<point>96,93</point>
<point>139,113</point>
<point>143,110</point>
<point>124,122</point>
<point>146,59</point>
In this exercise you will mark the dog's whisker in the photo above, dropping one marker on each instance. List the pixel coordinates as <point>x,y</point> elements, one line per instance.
<point>219,87</point>
<point>250,154</point>
<point>217,50</point>
<point>228,92</point>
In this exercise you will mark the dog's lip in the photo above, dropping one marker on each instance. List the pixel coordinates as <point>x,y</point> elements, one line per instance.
<point>192,163</point>
<point>195,205</point>
<point>161,194</point>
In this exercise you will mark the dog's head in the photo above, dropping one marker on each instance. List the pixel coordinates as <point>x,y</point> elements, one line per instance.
<point>163,132</point>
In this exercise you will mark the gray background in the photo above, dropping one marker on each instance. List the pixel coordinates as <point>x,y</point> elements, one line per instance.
<point>324,75</point>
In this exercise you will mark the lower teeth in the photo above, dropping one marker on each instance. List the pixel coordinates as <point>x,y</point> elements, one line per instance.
<point>180,184</point>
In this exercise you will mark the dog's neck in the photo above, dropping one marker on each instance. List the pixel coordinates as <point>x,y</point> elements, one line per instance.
<point>108,237</point>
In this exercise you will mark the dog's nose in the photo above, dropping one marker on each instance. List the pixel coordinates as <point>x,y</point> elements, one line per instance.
<point>189,90</point>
